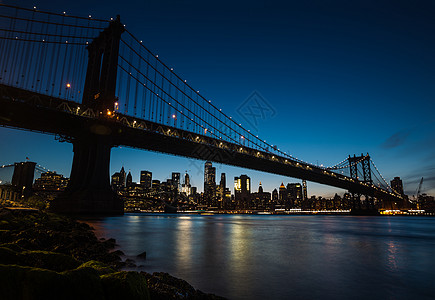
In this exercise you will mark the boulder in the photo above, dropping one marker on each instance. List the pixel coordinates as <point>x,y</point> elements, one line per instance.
<point>125,285</point>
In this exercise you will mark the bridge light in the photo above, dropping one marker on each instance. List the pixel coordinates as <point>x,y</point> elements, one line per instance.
<point>242,137</point>
<point>90,16</point>
<point>109,112</point>
<point>174,116</point>
<point>68,85</point>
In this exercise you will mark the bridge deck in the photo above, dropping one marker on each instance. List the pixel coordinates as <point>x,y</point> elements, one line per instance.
<point>32,111</point>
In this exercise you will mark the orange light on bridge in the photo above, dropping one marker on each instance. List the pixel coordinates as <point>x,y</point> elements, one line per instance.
<point>109,112</point>
<point>174,116</point>
<point>68,85</point>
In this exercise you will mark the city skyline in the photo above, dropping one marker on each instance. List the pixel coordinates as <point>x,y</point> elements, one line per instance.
<point>307,83</point>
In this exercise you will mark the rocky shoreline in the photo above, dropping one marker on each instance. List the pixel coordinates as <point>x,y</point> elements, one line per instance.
<point>48,256</point>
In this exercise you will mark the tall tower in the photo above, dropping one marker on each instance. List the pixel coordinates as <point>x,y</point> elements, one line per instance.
<point>397,185</point>
<point>176,180</point>
<point>223,182</point>
<point>129,180</point>
<point>242,191</point>
<point>23,176</point>
<point>146,178</point>
<point>209,180</point>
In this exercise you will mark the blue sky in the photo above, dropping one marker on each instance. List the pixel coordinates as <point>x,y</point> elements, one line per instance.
<point>341,78</point>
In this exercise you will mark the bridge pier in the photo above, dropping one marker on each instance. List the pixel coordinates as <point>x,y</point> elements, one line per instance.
<point>89,190</point>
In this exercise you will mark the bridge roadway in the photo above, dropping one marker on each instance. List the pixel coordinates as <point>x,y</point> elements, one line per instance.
<point>37,112</point>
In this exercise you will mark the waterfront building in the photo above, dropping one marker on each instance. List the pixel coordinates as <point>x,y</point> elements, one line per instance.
<point>118,180</point>
<point>22,177</point>
<point>260,200</point>
<point>51,181</point>
<point>242,191</point>
<point>397,185</point>
<point>294,195</point>
<point>186,188</point>
<point>155,184</point>
<point>146,178</point>
<point>176,180</point>
<point>209,181</point>
<point>129,180</point>
<point>282,200</point>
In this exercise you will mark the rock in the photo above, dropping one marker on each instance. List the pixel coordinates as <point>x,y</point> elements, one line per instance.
<point>8,256</point>
<point>164,286</point>
<point>19,282</point>
<point>143,255</point>
<point>125,285</point>
<point>101,268</point>
<point>48,260</point>
<point>130,263</point>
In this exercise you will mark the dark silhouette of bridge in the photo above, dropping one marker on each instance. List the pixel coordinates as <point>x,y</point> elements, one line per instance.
<point>127,96</point>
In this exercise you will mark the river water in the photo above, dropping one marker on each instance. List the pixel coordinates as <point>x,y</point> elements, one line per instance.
<point>284,257</point>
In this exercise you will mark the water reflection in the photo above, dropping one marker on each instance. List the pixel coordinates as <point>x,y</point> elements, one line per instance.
<point>283,257</point>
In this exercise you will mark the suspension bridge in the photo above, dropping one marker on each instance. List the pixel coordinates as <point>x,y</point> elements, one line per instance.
<point>91,82</point>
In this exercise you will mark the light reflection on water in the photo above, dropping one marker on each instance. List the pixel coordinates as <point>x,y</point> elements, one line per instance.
<point>283,257</point>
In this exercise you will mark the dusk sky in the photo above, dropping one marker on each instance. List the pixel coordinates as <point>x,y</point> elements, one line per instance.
<point>340,78</point>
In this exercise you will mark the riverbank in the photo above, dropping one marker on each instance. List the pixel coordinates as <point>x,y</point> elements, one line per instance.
<point>47,256</point>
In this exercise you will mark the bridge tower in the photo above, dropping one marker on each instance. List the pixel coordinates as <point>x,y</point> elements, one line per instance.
<point>89,190</point>
<point>360,165</point>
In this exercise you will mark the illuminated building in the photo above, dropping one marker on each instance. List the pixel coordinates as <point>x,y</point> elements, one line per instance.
<point>260,200</point>
<point>118,180</point>
<point>294,195</point>
<point>146,178</point>
<point>176,180</point>
<point>209,181</point>
<point>186,188</point>
<point>51,181</point>
<point>242,191</point>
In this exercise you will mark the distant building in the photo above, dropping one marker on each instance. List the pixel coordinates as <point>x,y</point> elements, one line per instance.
<point>294,195</point>
<point>23,176</point>
<point>155,184</point>
<point>146,178</point>
<point>51,181</point>
<point>129,180</point>
<point>118,180</point>
<point>397,185</point>
<point>242,191</point>
<point>282,196</point>
<point>186,188</point>
<point>260,200</point>
<point>176,180</point>
<point>209,181</point>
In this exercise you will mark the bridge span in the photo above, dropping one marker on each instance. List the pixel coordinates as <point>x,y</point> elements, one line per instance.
<point>129,97</point>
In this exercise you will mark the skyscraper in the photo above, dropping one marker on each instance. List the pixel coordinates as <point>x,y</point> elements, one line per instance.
<point>129,180</point>
<point>223,183</point>
<point>397,185</point>
<point>118,180</point>
<point>176,180</point>
<point>146,178</point>
<point>185,188</point>
<point>294,195</point>
<point>282,195</point>
<point>209,181</point>
<point>242,191</point>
